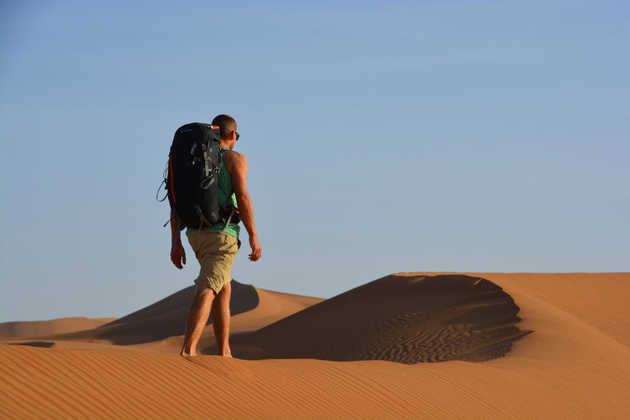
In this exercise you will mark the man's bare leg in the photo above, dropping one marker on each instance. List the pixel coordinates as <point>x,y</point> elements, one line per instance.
<point>221,320</point>
<point>197,318</point>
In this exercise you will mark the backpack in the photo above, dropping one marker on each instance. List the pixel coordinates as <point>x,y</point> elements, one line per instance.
<point>194,164</point>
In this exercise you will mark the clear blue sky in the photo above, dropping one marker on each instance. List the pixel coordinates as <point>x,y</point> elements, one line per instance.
<point>381,137</point>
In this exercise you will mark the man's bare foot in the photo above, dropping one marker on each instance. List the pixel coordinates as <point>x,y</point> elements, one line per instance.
<point>226,353</point>
<point>185,353</point>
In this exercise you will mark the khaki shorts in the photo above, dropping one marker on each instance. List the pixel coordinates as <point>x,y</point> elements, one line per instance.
<point>215,252</point>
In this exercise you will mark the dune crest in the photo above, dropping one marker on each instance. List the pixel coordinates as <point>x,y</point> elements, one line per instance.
<point>397,318</point>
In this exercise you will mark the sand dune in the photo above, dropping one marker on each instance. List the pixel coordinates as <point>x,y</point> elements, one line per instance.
<point>397,318</point>
<point>575,365</point>
<point>25,329</point>
<point>160,320</point>
<point>601,300</point>
<point>159,327</point>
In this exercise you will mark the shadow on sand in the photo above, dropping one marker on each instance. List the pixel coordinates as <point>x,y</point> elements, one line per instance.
<point>406,319</point>
<point>44,344</point>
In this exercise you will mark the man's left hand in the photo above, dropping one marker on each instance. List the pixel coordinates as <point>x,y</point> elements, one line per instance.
<point>178,255</point>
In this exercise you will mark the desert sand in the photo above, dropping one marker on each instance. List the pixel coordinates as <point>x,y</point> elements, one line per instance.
<point>409,345</point>
<point>54,326</point>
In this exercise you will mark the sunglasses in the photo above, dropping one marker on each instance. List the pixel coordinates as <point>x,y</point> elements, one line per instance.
<point>237,135</point>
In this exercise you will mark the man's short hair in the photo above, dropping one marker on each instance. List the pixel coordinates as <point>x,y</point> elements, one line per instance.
<point>226,123</point>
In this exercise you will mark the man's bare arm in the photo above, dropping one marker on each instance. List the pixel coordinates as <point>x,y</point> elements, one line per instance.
<point>237,165</point>
<point>178,255</point>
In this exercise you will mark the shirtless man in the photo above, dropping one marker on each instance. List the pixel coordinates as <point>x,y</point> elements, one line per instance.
<point>216,246</point>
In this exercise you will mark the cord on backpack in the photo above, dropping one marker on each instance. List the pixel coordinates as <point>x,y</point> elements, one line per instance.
<point>162,185</point>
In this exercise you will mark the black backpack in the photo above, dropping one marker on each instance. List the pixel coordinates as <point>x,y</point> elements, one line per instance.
<point>194,163</point>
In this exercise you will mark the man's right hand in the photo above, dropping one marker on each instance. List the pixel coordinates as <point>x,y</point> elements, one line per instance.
<point>178,255</point>
<point>256,249</point>
<point>236,164</point>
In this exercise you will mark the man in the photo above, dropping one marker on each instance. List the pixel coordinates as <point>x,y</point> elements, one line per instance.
<point>215,248</point>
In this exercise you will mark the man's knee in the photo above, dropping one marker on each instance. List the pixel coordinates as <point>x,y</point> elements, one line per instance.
<point>227,289</point>
<point>204,293</point>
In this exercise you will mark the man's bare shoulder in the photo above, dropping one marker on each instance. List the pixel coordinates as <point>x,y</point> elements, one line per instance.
<point>233,154</point>
<point>234,159</point>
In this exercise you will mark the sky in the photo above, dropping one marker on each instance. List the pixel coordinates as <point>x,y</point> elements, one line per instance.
<point>484,136</point>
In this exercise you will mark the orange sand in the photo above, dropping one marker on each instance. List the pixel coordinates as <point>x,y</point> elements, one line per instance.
<point>27,329</point>
<point>576,363</point>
